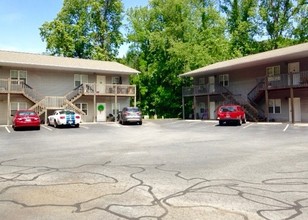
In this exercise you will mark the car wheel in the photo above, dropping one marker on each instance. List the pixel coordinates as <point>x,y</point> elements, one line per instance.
<point>239,122</point>
<point>48,122</point>
<point>244,121</point>
<point>55,124</point>
<point>221,123</point>
<point>38,128</point>
<point>77,126</point>
<point>140,122</point>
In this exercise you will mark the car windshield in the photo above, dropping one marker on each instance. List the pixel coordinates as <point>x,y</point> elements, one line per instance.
<point>228,109</point>
<point>26,113</point>
<point>67,112</point>
<point>132,109</point>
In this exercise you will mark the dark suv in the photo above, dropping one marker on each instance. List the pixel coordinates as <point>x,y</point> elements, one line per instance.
<point>130,115</point>
<point>231,113</point>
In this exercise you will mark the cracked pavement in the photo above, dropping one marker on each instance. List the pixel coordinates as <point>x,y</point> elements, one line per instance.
<point>167,169</point>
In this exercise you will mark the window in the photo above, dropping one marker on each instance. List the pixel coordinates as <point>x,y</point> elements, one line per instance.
<point>83,107</point>
<point>20,75</point>
<point>273,73</point>
<point>274,106</point>
<point>224,80</point>
<point>80,79</point>
<point>15,106</point>
<point>116,80</point>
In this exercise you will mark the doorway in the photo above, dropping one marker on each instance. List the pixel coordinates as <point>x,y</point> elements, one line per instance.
<point>212,110</point>
<point>101,84</point>
<point>101,112</point>
<point>294,69</point>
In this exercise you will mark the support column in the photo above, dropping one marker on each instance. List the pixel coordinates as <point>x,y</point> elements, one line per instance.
<point>208,107</point>
<point>8,117</point>
<point>266,99</point>
<point>292,98</point>
<point>194,107</point>
<point>135,97</point>
<point>116,101</point>
<point>183,107</point>
<point>94,105</point>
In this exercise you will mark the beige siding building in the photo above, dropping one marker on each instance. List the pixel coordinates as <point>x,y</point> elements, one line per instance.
<point>44,83</point>
<point>271,86</point>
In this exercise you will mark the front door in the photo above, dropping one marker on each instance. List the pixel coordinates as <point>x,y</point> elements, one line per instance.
<point>212,110</point>
<point>294,69</point>
<point>101,84</point>
<point>101,112</point>
<point>297,110</point>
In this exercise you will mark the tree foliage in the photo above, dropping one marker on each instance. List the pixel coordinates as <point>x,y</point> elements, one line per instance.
<point>85,29</point>
<point>171,37</point>
<point>279,20</point>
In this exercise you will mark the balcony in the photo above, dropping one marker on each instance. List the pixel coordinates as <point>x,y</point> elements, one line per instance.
<point>295,80</point>
<point>109,89</point>
<point>18,86</point>
<point>282,81</point>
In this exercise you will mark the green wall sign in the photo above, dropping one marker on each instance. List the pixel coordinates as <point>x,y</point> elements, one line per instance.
<point>100,108</point>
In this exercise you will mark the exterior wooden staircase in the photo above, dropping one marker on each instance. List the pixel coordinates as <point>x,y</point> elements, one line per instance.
<point>53,102</point>
<point>251,112</point>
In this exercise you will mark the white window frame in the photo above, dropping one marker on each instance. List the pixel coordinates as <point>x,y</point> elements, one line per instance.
<point>83,106</point>
<point>274,106</point>
<point>116,80</point>
<point>273,73</point>
<point>80,79</point>
<point>224,80</point>
<point>15,106</point>
<point>20,75</point>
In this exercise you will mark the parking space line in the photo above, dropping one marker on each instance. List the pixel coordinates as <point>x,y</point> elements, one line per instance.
<point>8,130</point>
<point>85,127</point>
<point>286,127</point>
<point>250,124</point>
<point>46,128</point>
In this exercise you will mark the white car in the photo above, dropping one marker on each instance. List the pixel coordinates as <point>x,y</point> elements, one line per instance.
<point>64,118</point>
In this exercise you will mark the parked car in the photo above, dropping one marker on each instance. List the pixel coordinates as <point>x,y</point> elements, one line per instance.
<point>64,118</point>
<point>130,115</point>
<point>26,119</point>
<point>231,113</point>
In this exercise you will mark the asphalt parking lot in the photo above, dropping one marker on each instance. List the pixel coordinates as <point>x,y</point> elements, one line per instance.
<point>163,169</point>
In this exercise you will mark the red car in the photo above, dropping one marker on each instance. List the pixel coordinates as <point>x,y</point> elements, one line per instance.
<point>25,119</point>
<point>231,113</point>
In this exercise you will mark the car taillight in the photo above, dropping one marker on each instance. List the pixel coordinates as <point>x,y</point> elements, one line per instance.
<point>77,116</point>
<point>62,117</point>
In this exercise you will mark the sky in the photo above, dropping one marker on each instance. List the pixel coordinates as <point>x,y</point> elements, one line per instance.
<point>20,21</point>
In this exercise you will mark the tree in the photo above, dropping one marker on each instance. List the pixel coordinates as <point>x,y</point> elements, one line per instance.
<point>170,37</point>
<point>242,27</point>
<point>85,29</point>
<point>279,18</point>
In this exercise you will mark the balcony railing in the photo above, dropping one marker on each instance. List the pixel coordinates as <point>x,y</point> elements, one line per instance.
<point>18,86</point>
<point>288,80</point>
<point>295,80</point>
<point>109,89</point>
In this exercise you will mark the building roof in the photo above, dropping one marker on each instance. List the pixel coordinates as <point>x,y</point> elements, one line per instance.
<point>29,60</point>
<point>278,55</point>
